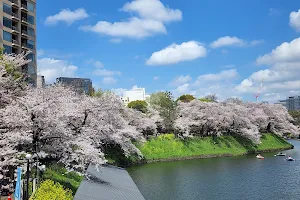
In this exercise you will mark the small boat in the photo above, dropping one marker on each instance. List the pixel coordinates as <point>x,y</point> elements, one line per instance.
<point>260,157</point>
<point>281,154</point>
<point>290,159</point>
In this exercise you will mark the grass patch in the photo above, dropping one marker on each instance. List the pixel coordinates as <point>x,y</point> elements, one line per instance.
<point>58,174</point>
<point>167,146</point>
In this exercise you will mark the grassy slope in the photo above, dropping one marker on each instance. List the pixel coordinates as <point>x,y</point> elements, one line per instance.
<point>168,147</point>
<point>58,174</point>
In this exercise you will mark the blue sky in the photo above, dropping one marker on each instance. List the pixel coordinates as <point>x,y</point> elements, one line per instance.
<point>194,46</point>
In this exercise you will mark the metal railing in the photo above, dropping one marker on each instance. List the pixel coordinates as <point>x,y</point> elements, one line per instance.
<point>24,32</point>
<point>15,15</point>
<point>15,28</point>
<point>15,41</point>
<point>24,6</point>
<point>24,19</point>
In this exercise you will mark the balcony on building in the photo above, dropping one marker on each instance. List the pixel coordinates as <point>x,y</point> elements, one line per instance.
<point>15,3</point>
<point>24,18</point>
<point>24,6</point>
<point>24,31</point>
<point>15,50</point>
<point>15,41</point>
<point>14,14</point>
<point>15,28</point>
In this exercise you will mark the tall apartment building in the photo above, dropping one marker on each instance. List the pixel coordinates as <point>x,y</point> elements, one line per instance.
<point>18,31</point>
<point>79,84</point>
<point>291,103</point>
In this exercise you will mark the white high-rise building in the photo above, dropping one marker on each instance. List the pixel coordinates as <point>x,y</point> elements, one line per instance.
<point>134,94</point>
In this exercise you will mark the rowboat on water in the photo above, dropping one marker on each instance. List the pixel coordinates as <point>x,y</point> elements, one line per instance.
<point>260,157</point>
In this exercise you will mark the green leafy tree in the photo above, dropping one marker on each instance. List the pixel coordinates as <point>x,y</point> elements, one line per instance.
<point>186,98</point>
<point>98,93</point>
<point>163,102</point>
<point>139,105</point>
<point>296,115</point>
<point>209,98</point>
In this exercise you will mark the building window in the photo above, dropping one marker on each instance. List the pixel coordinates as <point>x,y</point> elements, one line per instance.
<point>7,49</point>
<point>30,69</point>
<point>7,22</point>
<point>30,31</point>
<point>30,44</point>
<point>7,9</point>
<point>30,19</point>
<point>31,57</point>
<point>30,6</point>
<point>7,36</point>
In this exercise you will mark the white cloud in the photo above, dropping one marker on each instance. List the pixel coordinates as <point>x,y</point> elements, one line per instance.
<point>286,52</point>
<point>105,72</point>
<point>227,41</point>
<point>116,40</point>
<point>256,42</point>
<point>52,69</point>
<point>221,83</point>
<point>153,9</point>
<point>155,78</point>
<point>180,80</point>
<point>67,16</point>
<point>40,52</point>
<point>109,80</point>
<point>95,63</point>
<point>151,19</point>
<point>282,76</point>
<point>224,75</point>
<point>274,11</point>
<point>132,28</point>
<point>175,53</point>
<point>295,20</point>
<point>183,89</point>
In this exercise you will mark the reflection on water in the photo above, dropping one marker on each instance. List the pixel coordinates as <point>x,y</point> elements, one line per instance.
<point>243,177</point>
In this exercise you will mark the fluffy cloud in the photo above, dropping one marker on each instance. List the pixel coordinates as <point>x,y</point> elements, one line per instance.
<point>227,41</point>
<point>256,42</point>
<point>223,75</point>
<point>180,80</point>
<point>221,83</point>
<point>52,69</point>
<point>105,72</point>
<point>286,52</point>
<point>295,20</point>
<point>282,76</point>
<point>132,28</point>
<point>177,53</point>
<point>153,9</point>
<point>150,20</point>
<point>109,80</point>
<point>67,16</point>
<point>95,63</point>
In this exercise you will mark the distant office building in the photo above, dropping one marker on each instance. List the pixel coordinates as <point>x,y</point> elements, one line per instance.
<point>291,103</point>
<point>18,32</point>
<point>134,94</point>
<point>40,81</point>
<point>79,84</point>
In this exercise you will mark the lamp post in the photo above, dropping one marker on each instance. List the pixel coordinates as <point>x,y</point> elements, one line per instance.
<point>28,156</point>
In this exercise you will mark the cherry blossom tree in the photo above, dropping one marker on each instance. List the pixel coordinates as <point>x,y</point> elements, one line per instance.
<point>246,119</point>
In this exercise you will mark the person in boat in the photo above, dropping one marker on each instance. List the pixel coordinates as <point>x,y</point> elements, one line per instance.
<point>259,155</point>
<point>289,157</point>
